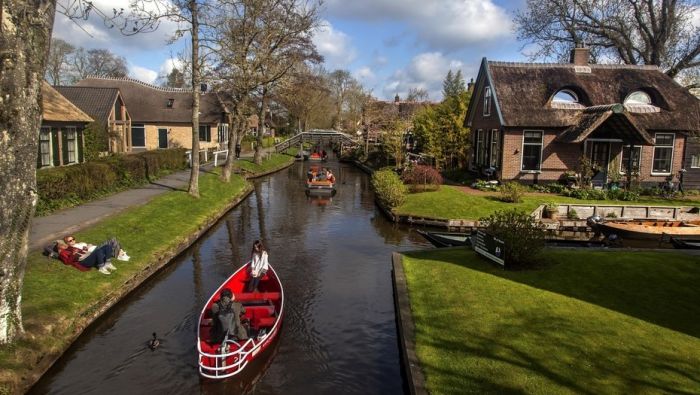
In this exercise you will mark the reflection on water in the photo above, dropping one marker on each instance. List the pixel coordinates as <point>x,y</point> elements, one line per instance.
<point>333,256</point>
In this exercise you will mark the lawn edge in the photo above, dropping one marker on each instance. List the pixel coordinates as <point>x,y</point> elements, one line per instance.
<point>410,365</point>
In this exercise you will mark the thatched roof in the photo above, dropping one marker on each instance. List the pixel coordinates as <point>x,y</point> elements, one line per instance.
<point>57,108</point>
<point>149,103</point>
<point>605,121</point>
<point>98,102</point>
<point>523,91</point>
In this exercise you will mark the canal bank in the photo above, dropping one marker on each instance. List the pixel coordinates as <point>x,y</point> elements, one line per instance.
<point>59,303</point>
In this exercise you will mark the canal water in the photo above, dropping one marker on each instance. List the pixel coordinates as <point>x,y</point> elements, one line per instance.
<point>333,255</point>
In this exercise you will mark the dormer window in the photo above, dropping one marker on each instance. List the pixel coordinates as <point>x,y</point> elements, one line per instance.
<point>170,103</point>
<point>565,96</point>
<point>487,101</point>
<point>566,99</point>
<point>637,98</point>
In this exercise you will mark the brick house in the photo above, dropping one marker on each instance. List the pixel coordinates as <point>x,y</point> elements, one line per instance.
<point>533,122</point>
<point>61,140</point>
<point>378,114</point>
<point>162,117</point>
<point>106,106</point>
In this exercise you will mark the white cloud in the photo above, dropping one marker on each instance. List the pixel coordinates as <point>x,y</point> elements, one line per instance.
<point>143,74</point>
<point>335,46</point>
<point>93,32</point>
<point>365,75</point>
<point>444,24</point>
<point>695,18</point>
<point>169,65</point>
<point>425,71</point>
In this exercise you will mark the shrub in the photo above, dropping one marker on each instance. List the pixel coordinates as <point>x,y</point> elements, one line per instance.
<point>522,235</point>
<point>484,185</point>
<point>572,214</point>
<point>67,186</point>
<point>389,189</point>
<point>611,214</point>
<point>422,177</point>
<point>512,192</point>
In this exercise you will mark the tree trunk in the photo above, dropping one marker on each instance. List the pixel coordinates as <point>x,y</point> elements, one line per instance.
<point>261,127</point>
<point>232,141</point>
<point>25,34</point>
<point>196,79</point>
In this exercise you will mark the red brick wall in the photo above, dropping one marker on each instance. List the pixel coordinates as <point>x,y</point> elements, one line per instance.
<point>559,157</point>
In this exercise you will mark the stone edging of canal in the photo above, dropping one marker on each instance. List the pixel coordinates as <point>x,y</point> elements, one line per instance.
<point>112,299</point>
<point>404,322</point>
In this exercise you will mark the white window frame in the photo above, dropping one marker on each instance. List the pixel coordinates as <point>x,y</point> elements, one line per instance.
<point>206,127</point>
<point>568,92</point>
<point>623,164</point>
<point>68,130</point>
<point>223,133</point>
<point>46,130</point>
<point>653,154</point>
<point>497,134</point>
<point>522,151</point>
<point>695,161</point>
<point>487,101</point>
<point>479,147</point>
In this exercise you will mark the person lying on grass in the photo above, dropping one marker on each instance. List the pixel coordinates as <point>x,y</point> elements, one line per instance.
<point>84,260</point>
<point>113,242</point>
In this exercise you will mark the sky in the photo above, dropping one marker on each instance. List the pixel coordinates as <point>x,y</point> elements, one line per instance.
<point>390,46</point>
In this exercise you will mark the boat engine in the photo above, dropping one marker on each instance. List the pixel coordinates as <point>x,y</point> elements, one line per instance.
<point>593,222</point>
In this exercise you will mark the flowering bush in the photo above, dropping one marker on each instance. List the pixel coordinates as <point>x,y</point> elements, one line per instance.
<point>422,177</point>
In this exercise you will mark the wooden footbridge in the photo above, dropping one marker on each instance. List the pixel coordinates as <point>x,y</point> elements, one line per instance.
<point>321,137</point>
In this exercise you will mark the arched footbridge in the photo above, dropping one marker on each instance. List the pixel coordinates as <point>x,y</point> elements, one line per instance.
<point>318,136</point>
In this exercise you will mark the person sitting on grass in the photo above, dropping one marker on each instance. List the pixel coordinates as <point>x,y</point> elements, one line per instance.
<point>86,247</point>
<point>82,259</point>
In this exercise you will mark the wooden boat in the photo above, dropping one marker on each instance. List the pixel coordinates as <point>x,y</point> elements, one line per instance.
<point>316,157</point>
<point>649,229</point>
<point>317,182</point>
<point>685,244</point>
<point>446,239</point>
<point>264,310</point>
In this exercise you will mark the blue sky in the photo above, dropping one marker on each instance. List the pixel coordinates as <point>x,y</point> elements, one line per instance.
<point>388,45</point>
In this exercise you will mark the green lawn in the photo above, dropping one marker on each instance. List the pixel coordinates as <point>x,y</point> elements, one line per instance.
<point>57,298</point>
<point>450,203</point>
<point>588,322</point>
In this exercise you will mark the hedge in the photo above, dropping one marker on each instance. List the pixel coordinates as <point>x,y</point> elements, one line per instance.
<point>67,186</point>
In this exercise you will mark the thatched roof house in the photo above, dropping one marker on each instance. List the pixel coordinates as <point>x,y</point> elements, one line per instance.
<point>61,136</point>
<point>533,122</point>
<point>106,106</point>
<point>162,117</point>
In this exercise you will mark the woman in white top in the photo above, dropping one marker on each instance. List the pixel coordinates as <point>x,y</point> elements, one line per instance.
<point>258,265</point>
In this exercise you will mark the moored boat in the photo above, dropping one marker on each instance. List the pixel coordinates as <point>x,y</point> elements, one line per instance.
<point>649,229</point>
<point>685,244</point>
<point>263,310</point>
<point>446,239</point>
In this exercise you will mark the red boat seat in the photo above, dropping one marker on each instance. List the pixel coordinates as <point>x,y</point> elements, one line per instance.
<point>249,296</point>
<point>267,321</point>
<point>260,315</point>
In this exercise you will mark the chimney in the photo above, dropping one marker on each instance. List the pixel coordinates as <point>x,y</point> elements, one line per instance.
<point>396,98</point>
<point>470,85</point>
<point>580,55</point>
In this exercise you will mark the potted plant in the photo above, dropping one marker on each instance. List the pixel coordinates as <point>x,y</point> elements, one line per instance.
<point>551,210</point>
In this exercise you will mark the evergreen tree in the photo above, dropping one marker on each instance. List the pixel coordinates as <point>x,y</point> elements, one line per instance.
<point>453,85</point>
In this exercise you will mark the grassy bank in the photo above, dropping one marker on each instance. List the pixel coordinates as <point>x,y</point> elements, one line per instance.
<point>450,203</point>
<point>58,301</point>
<point>588,322</point>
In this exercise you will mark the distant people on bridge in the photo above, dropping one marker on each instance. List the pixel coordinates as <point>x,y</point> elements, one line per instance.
<point>238,151</point>
<point>258,265</point>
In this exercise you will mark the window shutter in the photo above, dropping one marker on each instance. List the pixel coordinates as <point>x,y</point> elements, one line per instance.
<point>81,145</point>
<point>64,145</point>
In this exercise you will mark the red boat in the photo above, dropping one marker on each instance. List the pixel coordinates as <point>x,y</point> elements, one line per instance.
<point>264,310</point>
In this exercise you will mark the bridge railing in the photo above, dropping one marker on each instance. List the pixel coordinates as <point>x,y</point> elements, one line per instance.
<point>315,136</point>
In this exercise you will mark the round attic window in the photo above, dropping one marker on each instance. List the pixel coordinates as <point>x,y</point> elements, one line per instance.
<point>638,97</point>
<point>565,96</point>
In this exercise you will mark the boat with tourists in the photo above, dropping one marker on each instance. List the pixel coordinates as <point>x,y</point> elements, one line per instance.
<point>653,229</point>
<point>263,314</point>
<point>446,239</point>
<point>319,181</point>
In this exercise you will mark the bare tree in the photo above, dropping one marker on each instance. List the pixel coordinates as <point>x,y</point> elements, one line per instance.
<point>630,31</point>
<point>417,94</point>
<point>58,61</point>
<point>305,95</point>
<point>97,62</point>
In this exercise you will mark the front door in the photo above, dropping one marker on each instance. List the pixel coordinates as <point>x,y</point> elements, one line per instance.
<point>600,155</point>
<point>162,138</point>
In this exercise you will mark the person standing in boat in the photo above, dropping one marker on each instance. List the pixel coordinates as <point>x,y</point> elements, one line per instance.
<point>258,265</point>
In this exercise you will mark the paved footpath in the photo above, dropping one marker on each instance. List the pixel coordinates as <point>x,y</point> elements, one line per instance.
<point>71,220</point>
<point>51,227</point>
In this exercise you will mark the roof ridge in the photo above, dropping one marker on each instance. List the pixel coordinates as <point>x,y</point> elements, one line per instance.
<point>146,84</point>
<point>571,65</point>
